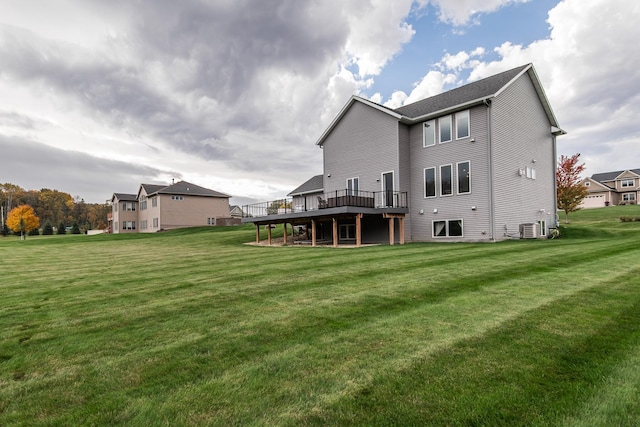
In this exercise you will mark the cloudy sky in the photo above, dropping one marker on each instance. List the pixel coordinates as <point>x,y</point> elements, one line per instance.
<point>97,97</point>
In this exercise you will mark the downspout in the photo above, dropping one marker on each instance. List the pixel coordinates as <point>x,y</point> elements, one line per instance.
<point>555,183</point>
<point>492,225</point>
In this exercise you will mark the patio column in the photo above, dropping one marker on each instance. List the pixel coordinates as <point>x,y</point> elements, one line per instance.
<point>392,237</point>
<point>313,232</point>
<point>401,229</point>
<point>359,230</point>
<point>284,234</point>
<point>257,234</point>
<point>269,234</point>
<point>335,233</point>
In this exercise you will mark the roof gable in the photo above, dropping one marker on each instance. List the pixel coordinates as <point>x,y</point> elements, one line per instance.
<point>629,173</point>
<point>596,186</point>
<point>313,185</point>
<point>455,99</point>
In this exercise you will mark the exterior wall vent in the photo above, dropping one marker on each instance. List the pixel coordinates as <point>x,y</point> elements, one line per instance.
<point>529,231</point>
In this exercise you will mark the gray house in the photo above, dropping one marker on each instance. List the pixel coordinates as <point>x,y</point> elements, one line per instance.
<point>476,163</point>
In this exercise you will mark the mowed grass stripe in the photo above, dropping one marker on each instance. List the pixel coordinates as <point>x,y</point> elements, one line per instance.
<point>268,335</point>
<point>531,371</point>
<point>316,322</point>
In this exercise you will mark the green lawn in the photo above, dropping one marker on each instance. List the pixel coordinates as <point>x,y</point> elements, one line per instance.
<point>193,327</point>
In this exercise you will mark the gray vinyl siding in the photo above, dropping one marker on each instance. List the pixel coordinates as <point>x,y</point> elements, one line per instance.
<point>521,133</point>
<point>475,222</point>
<point>404,180</point>
<point>364,144</point>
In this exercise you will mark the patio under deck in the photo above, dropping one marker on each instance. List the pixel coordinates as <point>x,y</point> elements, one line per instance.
<point>328,212</point>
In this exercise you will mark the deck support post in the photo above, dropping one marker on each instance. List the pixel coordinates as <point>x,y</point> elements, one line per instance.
<point>335,232</point>
<point>391,218</point>
<point>284,234</point>
<point>269,234</point>
<point>313,232</point>
<point>257,234</point>
<point>359,230</point>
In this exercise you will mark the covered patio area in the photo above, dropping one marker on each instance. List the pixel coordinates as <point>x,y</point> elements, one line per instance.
<point>345,225</point>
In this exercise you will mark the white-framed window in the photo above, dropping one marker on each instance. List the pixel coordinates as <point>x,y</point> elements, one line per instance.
<point>128,206</point>
<point>463,172</point>
<point>531,172</point>
<point>542,228</point>
<point>115,207</point>
<point>177,198</point>
<point>429,133</point>
<point>447,228</point>
<point>429,182</point>
<point>625,183</point>
<point>128,225</point>
<point>462,124</point>
<point>211,221</point>
<point>587,184</point>
<point>143,224</point>
<point>446,180</point>
<point>347,231</point>
<point>444,123</point>
<point>143,205</point>
<point>155,222</point>
<point>154,202</point>
<point>353,186</point>
<point>629,197</point>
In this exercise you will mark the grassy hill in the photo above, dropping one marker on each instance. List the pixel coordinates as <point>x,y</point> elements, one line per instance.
<point>192,327</point>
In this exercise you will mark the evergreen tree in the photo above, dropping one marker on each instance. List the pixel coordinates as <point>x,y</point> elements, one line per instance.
<point>47,230</point>
<point>34,232</point>
<point>75,229</point>
<point>62,229</point>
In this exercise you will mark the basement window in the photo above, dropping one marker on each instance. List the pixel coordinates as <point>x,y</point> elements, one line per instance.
<point>447,228</point>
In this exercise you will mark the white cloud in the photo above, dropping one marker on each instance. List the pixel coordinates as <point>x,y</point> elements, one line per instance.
<point>461,12</point>
<point>590,73</point>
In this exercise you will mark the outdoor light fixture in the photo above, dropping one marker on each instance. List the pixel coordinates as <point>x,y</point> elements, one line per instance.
<point>473,208</point>
<point>435,210</point>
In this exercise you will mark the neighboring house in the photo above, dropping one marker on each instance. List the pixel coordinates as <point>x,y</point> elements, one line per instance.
<point>235,211</point>
<point>476,163</point>
<point>161,207</point>
<point>612,188</point>
<point>306,196</point>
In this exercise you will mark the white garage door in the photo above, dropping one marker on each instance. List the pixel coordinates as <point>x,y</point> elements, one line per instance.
<point>593,201</point>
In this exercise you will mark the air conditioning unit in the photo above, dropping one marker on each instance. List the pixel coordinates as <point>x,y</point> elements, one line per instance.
<point>529,231</point>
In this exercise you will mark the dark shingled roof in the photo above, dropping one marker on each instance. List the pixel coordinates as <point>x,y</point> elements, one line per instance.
<point>470,92</point>
<point>124,197</point>
<point>611,176</point>
<point>152,188</point>
<point>187,189</point>
<point>312,185</point>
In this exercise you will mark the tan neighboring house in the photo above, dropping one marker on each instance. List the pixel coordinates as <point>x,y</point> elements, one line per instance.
<point>612,188</point>
<point>160,207</point>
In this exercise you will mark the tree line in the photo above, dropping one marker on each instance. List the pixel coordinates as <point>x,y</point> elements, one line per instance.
<point>53,208</point>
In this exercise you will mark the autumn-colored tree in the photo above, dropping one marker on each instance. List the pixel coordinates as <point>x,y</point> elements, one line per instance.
<point>22,219</point>
<point>570,188</point>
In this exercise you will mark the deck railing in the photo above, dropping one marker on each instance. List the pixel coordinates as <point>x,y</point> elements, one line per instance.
<point>332,199</point>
